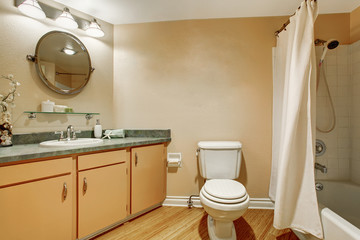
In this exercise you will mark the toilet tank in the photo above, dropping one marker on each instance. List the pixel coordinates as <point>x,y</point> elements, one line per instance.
<point>219,159</point>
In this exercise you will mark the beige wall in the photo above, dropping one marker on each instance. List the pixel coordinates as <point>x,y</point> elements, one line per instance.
<point>328,26</point>
<point>19,36</point>
<point>205,80</point>
<point>355,25</point>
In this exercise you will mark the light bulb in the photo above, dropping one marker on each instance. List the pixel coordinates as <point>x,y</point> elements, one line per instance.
<point>66,20</point>
<point>94,29</point>
<point>32,9</point>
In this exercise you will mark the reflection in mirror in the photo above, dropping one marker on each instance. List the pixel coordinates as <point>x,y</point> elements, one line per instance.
<point>63,62</point>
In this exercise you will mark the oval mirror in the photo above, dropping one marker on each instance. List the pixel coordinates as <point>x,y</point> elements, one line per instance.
<point>62,62</point>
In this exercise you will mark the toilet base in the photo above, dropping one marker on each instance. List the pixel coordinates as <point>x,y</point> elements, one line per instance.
<point>219,230</point>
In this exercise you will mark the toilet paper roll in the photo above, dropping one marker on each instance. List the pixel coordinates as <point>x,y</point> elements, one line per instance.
<point>174,159</point>
<point>174,163</point>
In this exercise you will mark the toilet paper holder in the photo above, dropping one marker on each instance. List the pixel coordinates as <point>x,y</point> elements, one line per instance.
<point>174,160</point>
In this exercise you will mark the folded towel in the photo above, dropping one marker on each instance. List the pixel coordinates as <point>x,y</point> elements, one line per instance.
<point>115,133</point>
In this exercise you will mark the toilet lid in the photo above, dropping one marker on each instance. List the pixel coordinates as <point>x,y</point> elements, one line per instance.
<point>225,189</point>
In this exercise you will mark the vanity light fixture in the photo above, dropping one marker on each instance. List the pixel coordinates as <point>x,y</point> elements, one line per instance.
<point>66,20</point>
<point>32,9</point>
<point>68,51</point>
<point>94,29</point>
<point>40,10</point>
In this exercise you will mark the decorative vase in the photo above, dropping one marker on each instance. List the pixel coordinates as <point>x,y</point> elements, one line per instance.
<point>5,129</point>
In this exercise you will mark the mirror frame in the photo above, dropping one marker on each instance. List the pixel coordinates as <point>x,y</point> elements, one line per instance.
<point>43,77</point>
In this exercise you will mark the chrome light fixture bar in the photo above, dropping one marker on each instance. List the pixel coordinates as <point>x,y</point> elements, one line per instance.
<point>32,9</point>
<point>63,17</point>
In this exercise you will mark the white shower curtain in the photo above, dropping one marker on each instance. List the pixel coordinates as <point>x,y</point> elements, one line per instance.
<point>292,185</point>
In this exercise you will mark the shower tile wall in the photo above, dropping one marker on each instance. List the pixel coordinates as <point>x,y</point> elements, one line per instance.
<point>338,73</point>
<point>355,113</point>
<point>342,158</point>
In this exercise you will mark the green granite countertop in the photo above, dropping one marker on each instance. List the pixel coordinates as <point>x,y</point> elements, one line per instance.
<point>31,151</point>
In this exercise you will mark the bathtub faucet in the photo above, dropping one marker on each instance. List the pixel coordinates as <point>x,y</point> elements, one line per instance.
<point>320,167</point>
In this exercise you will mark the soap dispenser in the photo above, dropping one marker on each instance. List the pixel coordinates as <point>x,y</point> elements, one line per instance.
<point>98,129</point>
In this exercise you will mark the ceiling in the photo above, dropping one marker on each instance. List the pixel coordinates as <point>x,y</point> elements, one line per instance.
<point>139,11</point>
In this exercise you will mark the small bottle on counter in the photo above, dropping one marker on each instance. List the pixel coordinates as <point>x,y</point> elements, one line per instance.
<point>97,129</point>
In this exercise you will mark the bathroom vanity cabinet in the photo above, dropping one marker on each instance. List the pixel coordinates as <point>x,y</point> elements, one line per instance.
<point>148,178</point>
<point>36,200</point>
<point>80,195</point>
<point>102,190</point>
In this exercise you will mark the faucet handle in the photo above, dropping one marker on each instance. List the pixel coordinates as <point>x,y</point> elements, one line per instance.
<point>74,134</point>
<point>61,134</point>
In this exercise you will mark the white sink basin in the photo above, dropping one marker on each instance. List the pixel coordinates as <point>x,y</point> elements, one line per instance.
<point>72,143</point>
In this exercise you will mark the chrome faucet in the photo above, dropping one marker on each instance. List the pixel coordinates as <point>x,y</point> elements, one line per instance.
<point>69,131</point>
<point>70,134</point>
<point>320,167</point>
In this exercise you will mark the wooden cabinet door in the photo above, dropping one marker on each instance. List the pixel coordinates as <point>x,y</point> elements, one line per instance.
<point>102,196</point>
<point>37,210</point>
<point>148,177</point>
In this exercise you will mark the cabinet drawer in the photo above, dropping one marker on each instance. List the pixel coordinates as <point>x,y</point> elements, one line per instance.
<point>29,171</point>
<point>101,159</point>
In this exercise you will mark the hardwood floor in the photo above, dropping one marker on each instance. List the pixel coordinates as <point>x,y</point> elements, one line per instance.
<point>191,224</point>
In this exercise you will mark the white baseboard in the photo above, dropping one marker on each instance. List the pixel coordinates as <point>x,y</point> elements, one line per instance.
<point>261,203</point>
<point>182,201</point>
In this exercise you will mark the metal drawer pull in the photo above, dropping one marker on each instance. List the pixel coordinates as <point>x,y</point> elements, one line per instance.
<point>136,159</point>
<point>85,186</point>
<point>65,190</point>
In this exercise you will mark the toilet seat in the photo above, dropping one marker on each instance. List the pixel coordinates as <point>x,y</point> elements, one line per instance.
<point>225,188</point>
<point>224,191</point>
<point>222,200</point>
<point>224,206</point>
<point>224,194</point>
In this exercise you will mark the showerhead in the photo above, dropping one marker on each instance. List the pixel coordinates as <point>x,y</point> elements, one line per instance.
<point>332,43</point>
<point>329,44</point>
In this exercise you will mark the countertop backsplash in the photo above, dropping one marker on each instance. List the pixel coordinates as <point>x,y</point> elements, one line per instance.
<point>31,138</point>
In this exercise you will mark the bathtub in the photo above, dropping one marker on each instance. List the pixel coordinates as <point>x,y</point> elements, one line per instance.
<point>339,207</point>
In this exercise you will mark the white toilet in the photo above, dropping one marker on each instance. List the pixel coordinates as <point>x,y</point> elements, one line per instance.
<point>224,199</point>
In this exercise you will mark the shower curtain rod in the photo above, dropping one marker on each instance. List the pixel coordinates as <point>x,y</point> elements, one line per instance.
<point>283,27</point>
